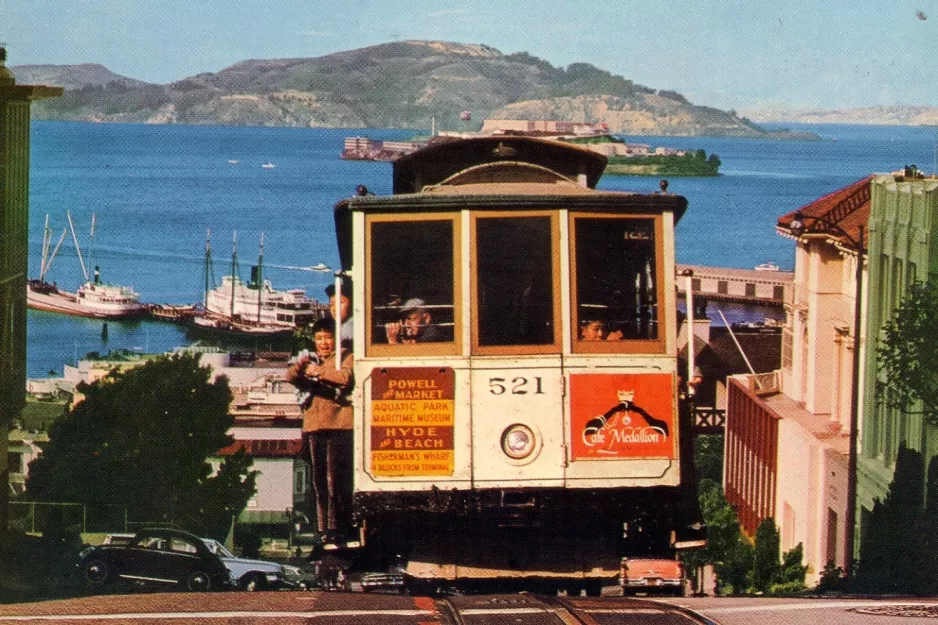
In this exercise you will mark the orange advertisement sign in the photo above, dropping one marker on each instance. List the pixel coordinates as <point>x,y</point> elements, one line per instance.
<point>412,421</point>
<point>623,415</point>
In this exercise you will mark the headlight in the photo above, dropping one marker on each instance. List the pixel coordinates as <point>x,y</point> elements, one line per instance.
<point>518,441</point>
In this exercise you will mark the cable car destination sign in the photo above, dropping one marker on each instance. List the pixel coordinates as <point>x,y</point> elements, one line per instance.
<point>412,421</point>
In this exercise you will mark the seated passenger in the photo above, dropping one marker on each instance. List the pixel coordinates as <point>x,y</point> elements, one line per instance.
<point>416,325</point>
<point>595,330</point>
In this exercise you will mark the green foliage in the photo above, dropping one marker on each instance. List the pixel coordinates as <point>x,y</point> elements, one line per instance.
<point>727,549</point>
<point>673,95</point>
<point>141,439</point>
<point>586,79</point>
<point>908,355</point>
<point>766,568</point>
<point>735,572</point>
<point>891,547</point>
<point>708,457</point>
<point>793,572</point>
<point>35,568</point>
<point>524,58</point>
<point>927,537</point>
<point>786,588</point>
<point>832,578</point>
<point>693,163</point>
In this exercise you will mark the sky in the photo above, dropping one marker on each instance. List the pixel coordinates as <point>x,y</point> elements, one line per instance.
<point>723,53</point>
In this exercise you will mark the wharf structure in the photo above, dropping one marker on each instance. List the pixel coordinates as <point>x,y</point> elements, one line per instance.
<point>14,230</point>
<point>750,286</point>
<point>365,149</point>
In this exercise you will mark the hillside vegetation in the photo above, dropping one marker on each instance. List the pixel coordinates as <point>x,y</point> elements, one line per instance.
<point>394,85</point>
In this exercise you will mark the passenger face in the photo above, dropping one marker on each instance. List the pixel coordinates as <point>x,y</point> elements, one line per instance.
<point>415,323</point>
<point>345,307</point>
<point>593,331</point>
<point>325,343</point>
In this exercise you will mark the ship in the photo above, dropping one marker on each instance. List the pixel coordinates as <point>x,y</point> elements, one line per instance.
<point>252,308</point>
<point>93,298</point>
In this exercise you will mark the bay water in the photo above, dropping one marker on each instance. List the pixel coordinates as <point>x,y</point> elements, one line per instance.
<point>157,190</point>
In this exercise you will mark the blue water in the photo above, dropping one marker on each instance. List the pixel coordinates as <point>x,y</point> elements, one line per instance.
<point>156,190</point>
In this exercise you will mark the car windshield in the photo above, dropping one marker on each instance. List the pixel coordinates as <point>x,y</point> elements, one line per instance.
<point>218,548</point>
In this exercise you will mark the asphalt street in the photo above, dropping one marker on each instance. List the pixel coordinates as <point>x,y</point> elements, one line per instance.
<point>302,608</point>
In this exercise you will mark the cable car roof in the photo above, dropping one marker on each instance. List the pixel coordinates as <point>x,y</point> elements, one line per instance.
<point>438,161</point>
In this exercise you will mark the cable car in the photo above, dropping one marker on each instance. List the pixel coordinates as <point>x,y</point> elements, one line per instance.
<point>518,404</point>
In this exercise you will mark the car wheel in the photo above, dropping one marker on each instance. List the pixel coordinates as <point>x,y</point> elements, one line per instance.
<point>252,583</point>
<point>96,572</point>
<point>198,581</point>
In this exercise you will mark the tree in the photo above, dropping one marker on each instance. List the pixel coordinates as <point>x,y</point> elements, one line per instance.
<point>141,440</point>
<point>890,548</point>
<point>908,355</point>
<point>792,572</point>
<point>927,551</point>
<point>708,457</point>
<point>727,549</point>
<point>766,568</point>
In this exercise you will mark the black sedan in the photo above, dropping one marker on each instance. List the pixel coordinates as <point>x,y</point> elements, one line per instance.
<point>166,557</point>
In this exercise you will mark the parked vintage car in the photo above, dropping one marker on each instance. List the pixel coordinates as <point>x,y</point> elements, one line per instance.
<point>251,575</point>
<point>652,575</point>
<point>162,557</point>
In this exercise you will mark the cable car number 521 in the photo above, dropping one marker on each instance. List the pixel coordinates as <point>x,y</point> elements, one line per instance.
<point>516,386</point>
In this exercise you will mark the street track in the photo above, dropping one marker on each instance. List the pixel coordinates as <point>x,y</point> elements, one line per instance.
<point>299,608</point>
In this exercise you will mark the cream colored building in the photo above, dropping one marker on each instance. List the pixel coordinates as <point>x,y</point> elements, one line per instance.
<point>787,437</point>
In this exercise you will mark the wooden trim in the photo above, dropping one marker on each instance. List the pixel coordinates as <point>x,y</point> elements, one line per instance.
<point>511,350</point>
<point>383,350</point>
<point>625,346</point>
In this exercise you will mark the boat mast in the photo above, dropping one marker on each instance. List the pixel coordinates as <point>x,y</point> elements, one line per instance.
<point>260,279</point>
<point>46,241</point>
<point>81,260</point>
<point>208,267</point>
<point>48,263</point>
<point>234,270</point>
<point>97,273</point>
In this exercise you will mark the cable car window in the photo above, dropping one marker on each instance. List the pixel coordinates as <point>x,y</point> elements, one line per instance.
<point>412,290</point>
<point>515,295</point>
<point>616,280</point>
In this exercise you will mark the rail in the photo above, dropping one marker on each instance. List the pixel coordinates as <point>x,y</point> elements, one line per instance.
<point>709,420</point>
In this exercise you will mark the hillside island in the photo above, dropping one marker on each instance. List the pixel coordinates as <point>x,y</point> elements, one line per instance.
<point>401,84</point>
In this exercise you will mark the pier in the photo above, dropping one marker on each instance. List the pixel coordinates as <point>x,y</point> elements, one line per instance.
<point>751,286</point>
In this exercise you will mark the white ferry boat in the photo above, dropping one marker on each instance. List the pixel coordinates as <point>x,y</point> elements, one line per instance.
<point>253,307</point>
<point>260,304</point>
<point>92,299</point>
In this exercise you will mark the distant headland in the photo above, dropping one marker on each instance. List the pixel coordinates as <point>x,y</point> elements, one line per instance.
<point>401,84</point>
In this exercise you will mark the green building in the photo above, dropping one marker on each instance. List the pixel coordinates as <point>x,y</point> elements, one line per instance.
<point>903,248</point>
<point>14,230</point>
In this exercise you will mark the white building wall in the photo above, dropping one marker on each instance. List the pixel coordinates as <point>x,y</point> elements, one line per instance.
<point>812,479</point>
<point>274,484</point>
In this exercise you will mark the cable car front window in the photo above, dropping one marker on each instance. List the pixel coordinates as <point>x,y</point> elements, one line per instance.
<point>515,286</point>
<point>616,289</point>
<point>412,282</point>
